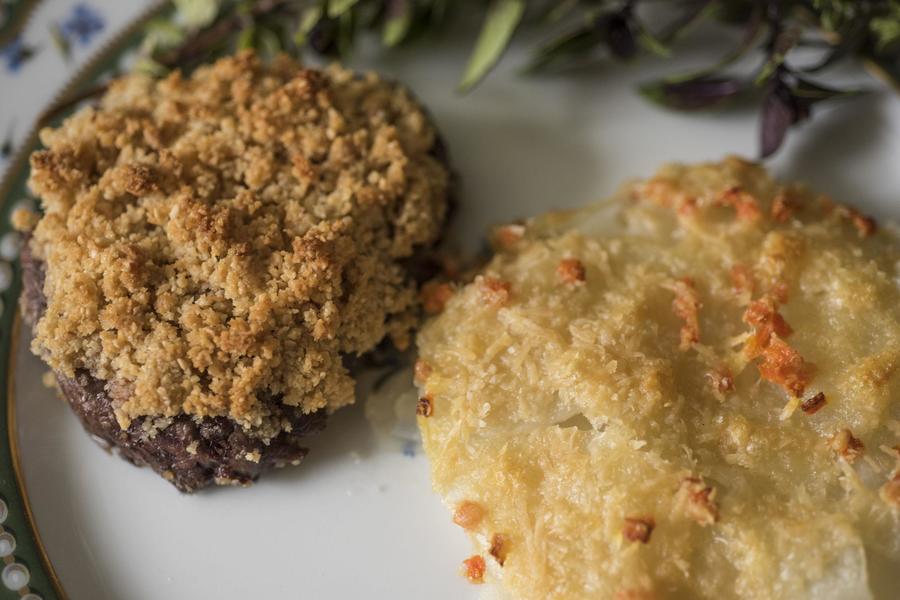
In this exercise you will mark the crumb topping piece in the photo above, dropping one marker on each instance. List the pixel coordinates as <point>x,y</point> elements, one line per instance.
<point>468,515</point>
<point>571,271</point>
<point>217,242</point>
<point>846,445</point>
<point>499,548</point>
<point>742,279</point>
<point>425,407</point>
<point>494,291</point>
<point>435,295</point>
<point>634,594</point>
<point>890,491</point>
<point>686,307</point>
<point>745,205</point>
<point>507,236</point>
<point>722,380</point>
<point>781,364</point>
<point>865,225</point>
<point>474,567</point>
<point>813,404</point>
<point>638,529</point>
<point>421,371</point>
<point>697,501</point>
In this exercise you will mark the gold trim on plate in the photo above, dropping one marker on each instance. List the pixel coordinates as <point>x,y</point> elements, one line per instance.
<point>12,433</point>
<point>14,170</point>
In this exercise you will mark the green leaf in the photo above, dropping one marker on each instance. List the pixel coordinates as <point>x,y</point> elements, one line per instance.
<point>196,14</point>
<point>694,14</point>
<point>814,92</point>
<point>573,43</point>
<point>308,20</point>
<point>336,8</point>
<point>268,42</point>
<point>397,25</point>
<point>499,25</point>
<point>560,10</point>
<point>148,66</point>
<point>886,30</point>
<point>60,41</point>
<point>346,33</point>
<point>247,38</point>
<point>752,33</point>
<point>652,43</point>
<point>784,43</point>
<point>886,69</point>
<point>161,34</point>
<point>438,11</point>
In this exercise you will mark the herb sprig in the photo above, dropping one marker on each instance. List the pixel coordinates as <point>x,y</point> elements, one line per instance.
<point>773,32</point>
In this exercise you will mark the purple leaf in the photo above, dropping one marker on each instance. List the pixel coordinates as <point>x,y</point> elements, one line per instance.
<point>779,112</point>
<point>619,34</point>
<point>693,94</point>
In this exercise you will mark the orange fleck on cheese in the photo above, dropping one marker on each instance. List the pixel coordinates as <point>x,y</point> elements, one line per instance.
<point>474,569</point>
<point>571,271</point>
<point>846,445</point>
<point>783,365</point>
<point>499,548</point>
<point>697,501</point>
<point>468,515</point>
<point>742,279</point>
<point>686,306</point>
<point>638,529</point>
<point>494,291</point>
<point>745,206</point>
<point>435,296</point>
<point>506,236</point>
<point>421,371</point>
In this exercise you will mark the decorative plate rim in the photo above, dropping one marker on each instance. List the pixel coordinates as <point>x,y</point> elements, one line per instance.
<point>26,571</point>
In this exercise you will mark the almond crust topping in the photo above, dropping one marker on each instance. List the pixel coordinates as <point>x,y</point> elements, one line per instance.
<point>218,240</point>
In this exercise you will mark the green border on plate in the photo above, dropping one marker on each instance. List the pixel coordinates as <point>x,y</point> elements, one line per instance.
<point>17,13</point>
<point>19,522</point>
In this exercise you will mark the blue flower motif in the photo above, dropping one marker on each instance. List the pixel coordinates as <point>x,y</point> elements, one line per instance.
<point>15,54</point>
<point>409,449</point>
<point>83,24</point>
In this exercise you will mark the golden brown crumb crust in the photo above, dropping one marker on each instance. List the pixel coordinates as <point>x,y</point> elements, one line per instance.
<point>661,429</point>
<point>214,240</point>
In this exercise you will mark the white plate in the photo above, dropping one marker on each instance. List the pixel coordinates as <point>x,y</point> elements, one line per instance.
<point>358,519</point>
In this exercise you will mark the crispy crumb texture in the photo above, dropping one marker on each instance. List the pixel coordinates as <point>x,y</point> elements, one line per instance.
<point>712,412</point>
<point>215,242</point>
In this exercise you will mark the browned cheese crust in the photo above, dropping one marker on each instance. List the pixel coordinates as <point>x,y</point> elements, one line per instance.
<point>691,390</point>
